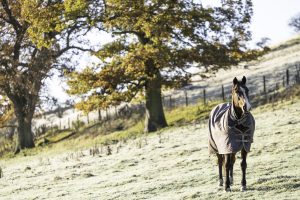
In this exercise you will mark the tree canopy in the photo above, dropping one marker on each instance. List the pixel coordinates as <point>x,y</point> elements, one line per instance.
<point>33,36</point>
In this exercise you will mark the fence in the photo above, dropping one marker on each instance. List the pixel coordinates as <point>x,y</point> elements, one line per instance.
<point>259,85</point>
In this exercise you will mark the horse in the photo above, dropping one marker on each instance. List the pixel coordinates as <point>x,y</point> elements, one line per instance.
<point>231,129</point>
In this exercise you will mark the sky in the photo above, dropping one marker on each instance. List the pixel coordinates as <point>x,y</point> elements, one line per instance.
<point>270,19</point>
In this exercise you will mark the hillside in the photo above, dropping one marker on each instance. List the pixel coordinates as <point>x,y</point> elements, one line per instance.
<point>173,164</point>
<point>114,160</point>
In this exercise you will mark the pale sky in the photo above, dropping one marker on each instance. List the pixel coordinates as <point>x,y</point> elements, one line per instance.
<point>270,19</point>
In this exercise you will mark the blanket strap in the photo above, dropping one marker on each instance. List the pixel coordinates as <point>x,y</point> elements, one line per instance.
<point>243,138</point>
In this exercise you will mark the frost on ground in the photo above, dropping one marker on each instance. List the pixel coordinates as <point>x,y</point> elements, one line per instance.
<point>171,165</point>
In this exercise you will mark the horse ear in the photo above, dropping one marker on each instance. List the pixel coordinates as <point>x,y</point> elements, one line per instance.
<point>244,80</point>
<point>235,81</point>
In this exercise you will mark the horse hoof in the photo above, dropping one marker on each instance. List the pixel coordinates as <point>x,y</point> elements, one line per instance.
<point>243,188</point>
<point>231,180</point>
<point>227,190</point>
<point>220,182</point>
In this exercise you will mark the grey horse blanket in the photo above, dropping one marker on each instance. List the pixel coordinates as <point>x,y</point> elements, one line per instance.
<point>227,134</point>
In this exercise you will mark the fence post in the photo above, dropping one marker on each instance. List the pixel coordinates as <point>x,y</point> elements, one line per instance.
<point>264,81</point>
<point>163,100</point>
<point>107,117</point>
<point>99,115</point>
<point>87,118</point>
<point>116,112</point>
<point>77,120</point>
<point>287,77</point>
<point>283,82</point>
<point>170,98</point>
<point>223,93</point>
<point>298,77</point>
<point>204,96</point>
<point>277,86</point>
<point>186,98</point>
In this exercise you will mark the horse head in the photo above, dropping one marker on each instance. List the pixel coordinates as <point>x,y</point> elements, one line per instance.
<point>240,96</point>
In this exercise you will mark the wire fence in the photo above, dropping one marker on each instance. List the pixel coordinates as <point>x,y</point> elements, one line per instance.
<point>261,85</point>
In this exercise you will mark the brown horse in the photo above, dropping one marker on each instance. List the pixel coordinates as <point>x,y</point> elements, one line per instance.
<point>231,129</point>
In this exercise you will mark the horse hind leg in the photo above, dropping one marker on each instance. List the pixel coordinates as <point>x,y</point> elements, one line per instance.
<point>220,164</point>
<point>243,166</point>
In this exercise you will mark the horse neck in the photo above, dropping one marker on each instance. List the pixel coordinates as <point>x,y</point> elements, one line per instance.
<point>238,112</point>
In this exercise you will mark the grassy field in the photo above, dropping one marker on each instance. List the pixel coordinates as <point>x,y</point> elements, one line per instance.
<point>170,164</point>
<point>107,133</point>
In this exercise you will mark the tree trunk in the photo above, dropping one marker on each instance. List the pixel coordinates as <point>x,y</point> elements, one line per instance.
<point>24,135</point>
<point>155,117</point>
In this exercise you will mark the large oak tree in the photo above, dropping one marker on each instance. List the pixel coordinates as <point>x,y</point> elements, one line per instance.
<point>33,36</point>
<point>155,41</point>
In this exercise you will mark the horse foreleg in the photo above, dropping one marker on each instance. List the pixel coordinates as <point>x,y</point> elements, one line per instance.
<point>243,166</point>
<point>220,164</point>
<point>228,163</point>
<point>231,169</point>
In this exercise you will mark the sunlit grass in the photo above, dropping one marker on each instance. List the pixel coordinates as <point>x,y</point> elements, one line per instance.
<point>176,117</point>
<point>189,114</point>
<point>105,134</point>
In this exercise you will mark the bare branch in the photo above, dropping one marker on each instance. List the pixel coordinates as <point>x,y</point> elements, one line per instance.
<point>9,126</point>
<point>67,48</point>
<point>126,32</point>
<point>11,19</point>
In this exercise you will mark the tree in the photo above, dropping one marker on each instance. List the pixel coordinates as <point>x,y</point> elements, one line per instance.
<point>155,42</point>
<point>263,45</point>
<point>32,39</point>
<point>295,22</point>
